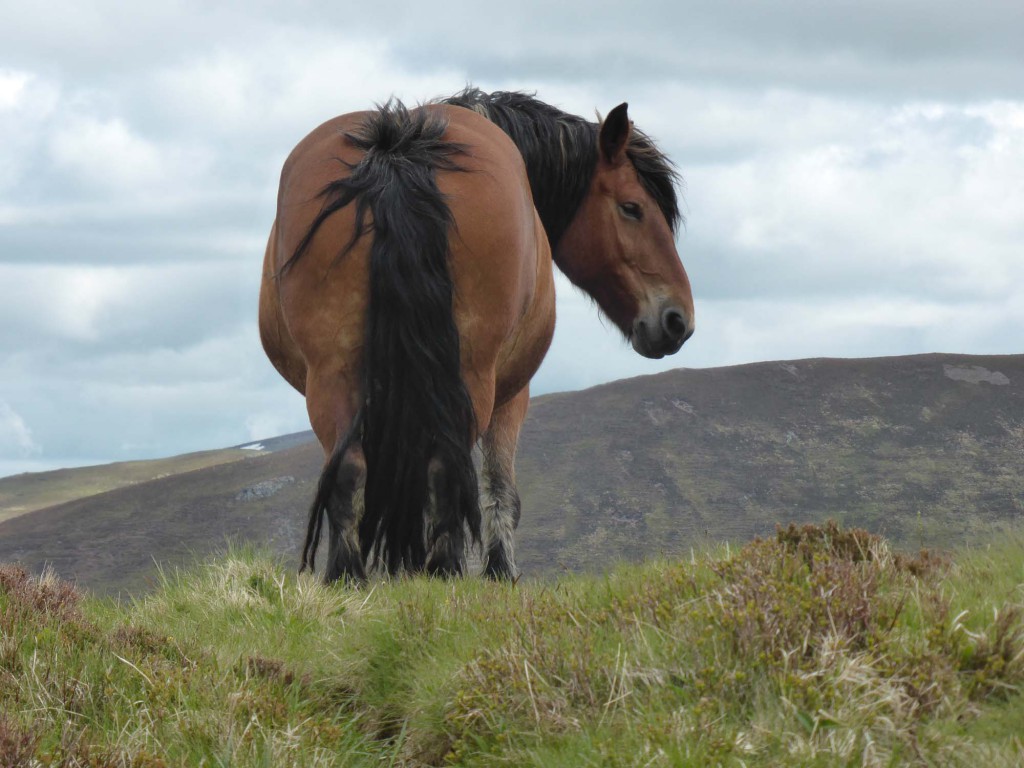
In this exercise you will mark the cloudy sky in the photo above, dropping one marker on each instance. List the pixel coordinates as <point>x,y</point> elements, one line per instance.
<point>854,185</point>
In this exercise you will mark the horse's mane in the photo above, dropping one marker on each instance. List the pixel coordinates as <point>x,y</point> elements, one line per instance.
<point>560,152</point>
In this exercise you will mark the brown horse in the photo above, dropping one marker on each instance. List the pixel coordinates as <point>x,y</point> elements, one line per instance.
<point>408,293</point>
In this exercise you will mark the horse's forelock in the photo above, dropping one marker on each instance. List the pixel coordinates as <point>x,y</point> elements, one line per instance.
<point>658,175</point>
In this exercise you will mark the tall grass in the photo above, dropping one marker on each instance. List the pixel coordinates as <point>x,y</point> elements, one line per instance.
<point>819,646</point>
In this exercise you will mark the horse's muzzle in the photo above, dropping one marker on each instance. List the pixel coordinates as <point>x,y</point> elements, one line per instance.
<point>661,333</point>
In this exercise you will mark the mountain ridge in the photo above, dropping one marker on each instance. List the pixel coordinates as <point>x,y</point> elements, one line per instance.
<point>926,449</point>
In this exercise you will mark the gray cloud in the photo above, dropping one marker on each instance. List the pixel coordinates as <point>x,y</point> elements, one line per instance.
<point>909,47</point>
<point>855,186</point>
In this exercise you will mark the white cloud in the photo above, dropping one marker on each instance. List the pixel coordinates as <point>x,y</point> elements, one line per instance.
<point>924,199</point>
<point>299,79</point>
<point>862,326</point>
<point>15,436</point>
<point>105,154</point>
<point>26,103</point>
<point>124,308</point>
<point>61,303</point>
<point>12,88</point>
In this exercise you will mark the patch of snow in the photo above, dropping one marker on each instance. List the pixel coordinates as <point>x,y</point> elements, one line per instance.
<point>253,447</point>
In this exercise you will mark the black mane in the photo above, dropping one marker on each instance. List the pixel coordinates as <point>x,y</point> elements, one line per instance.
<point>560,151</point>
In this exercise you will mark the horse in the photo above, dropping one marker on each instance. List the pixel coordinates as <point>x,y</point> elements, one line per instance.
<point>408,293</point>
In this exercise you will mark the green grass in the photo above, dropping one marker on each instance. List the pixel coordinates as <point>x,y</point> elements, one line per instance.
<point>818,647</point>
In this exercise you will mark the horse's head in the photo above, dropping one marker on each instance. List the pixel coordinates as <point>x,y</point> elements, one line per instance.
<point>620,247</point>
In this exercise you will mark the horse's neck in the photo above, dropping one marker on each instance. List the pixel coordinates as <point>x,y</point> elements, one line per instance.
<point>560,175</point>
<point>559,150</point>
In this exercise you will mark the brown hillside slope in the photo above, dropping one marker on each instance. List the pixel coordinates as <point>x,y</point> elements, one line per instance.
<point>928,450</point>
<point>29,491</point>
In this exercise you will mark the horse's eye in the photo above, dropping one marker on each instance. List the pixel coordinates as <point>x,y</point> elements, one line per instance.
<point>631,211</point>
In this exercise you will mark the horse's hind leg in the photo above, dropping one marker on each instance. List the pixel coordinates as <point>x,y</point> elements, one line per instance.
<point>339,496</point>
<point>445,534</point>
<point>501,507</point>
<point>344,510</point>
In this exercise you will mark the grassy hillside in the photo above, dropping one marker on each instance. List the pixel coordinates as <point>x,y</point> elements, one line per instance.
<point>31,491</point>
<point>816,647</point>
<point>110,542</point>
<point>927,450</point>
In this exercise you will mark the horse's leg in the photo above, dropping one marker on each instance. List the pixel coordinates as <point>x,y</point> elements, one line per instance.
<point>339,495</point>
<point>500,510</point>
<point>446,543</point>
<point>449,499</point>
<point>344,510</point>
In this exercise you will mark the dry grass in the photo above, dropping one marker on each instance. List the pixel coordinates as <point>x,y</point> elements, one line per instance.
<point>816,647</point>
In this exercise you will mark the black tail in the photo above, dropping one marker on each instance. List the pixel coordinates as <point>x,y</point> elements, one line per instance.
<point>417,409</point>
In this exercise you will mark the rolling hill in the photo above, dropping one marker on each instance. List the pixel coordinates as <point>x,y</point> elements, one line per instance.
<point>29,491</point>
<point>927,450</point>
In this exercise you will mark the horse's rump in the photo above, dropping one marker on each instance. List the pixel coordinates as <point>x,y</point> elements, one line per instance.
<point>428,282</point>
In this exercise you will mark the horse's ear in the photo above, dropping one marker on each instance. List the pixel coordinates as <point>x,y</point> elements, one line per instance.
<point>614,136</point>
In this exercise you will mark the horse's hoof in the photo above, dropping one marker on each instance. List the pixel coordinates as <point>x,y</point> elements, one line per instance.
<point>445,567</point>
<point>499,567</point>
<point>348,570</point>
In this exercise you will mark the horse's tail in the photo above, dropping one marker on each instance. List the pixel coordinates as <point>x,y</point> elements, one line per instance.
<point>418,420</point>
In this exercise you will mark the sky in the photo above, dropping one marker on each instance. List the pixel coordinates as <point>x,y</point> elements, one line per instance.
<point>854,186</point>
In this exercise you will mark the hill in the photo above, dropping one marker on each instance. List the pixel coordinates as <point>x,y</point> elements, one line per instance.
<point>928,450</point>
<point>817,647</point>
<point>31,491</point>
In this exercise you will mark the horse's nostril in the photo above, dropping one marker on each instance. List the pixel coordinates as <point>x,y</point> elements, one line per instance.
<point>674,323</point>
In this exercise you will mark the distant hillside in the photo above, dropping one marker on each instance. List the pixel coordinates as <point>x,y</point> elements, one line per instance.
<point>925,449</point>
<point>30,491</point>
<point>111,540</point>
<point>928,450</point>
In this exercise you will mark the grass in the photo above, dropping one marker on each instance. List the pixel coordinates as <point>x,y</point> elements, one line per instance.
<point>817,647</point>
